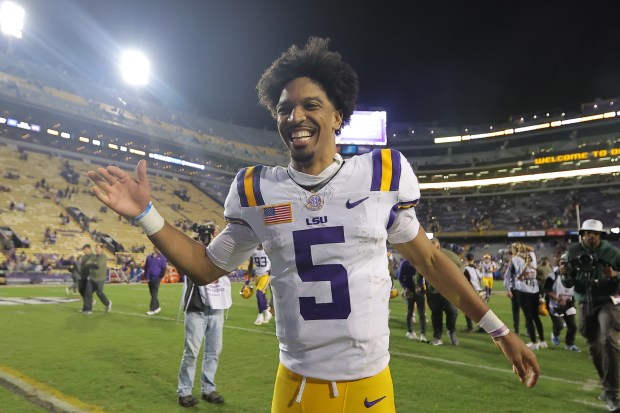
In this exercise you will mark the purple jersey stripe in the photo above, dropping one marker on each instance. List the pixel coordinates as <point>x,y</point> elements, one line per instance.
<point>391,218</point>
<point>395,170</point>
<point>377,169</point>
<point>256,185</point>
<point>240,188</point>
<point>398,206</point>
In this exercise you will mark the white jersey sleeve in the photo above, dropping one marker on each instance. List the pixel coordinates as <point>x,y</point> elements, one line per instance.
<point>405,225</point>
<point>233,246</point>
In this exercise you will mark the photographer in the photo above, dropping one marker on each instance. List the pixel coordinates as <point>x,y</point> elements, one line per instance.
<point>593,270</point>
<point>205,232</point>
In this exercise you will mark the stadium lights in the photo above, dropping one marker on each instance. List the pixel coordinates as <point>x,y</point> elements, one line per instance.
<point>11,19</point>
<point>522,178</point>
<point>137,152</point>
<point>450,139</point>
<point>135,68</point>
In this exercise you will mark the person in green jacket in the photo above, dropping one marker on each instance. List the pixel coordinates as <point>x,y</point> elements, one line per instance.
<point>593,266</point>
<point>94,267</point>
<point>82,269</point>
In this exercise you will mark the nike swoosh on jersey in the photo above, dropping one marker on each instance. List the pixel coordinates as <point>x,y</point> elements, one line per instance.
<point>356,203</point>
<point>368,404</point>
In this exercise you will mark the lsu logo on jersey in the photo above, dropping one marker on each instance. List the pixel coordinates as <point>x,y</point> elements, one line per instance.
<point>316,220</point>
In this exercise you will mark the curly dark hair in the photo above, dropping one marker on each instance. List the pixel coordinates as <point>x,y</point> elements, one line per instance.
<point>336,77</point>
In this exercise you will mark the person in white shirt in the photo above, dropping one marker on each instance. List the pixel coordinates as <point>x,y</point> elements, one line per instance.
<point>204,320</point>
<point>523,268</point>
<point>475,279</point>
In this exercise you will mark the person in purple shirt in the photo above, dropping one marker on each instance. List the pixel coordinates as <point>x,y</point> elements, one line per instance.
<point>154,271</point>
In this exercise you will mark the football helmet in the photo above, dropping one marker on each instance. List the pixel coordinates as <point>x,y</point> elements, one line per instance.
<point>247,291</point>
<point>393,293</point>
<point>542,309</point>
<point>487,256</point>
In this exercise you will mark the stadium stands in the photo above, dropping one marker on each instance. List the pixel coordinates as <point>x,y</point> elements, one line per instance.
<point>80,126</point>
<point>45,205</point>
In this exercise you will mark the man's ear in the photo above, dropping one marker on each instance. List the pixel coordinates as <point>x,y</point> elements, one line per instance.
<point>337,119</point>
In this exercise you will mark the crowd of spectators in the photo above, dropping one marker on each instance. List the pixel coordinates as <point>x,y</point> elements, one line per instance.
<point>520,212</point>
<point>38,263</point>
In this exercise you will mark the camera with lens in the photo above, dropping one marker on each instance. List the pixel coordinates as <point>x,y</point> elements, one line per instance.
<point>204,232</point>
<point>585,262</point>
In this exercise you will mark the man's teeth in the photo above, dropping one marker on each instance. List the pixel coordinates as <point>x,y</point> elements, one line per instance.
<point>301,134</point>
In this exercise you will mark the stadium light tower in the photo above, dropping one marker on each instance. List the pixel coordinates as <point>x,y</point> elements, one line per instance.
<point>12,19</point>
<point>135,68</point>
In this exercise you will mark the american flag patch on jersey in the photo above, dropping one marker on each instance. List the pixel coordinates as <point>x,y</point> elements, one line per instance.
<point>277,214</point>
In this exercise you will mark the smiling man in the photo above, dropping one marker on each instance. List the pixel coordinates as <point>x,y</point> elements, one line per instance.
<point>324,223</point>
<point>306,121</point>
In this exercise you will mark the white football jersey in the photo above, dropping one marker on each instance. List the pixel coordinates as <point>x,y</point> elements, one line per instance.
<point>261,263</point>
<point>487,268</point>
<point>330,279</point>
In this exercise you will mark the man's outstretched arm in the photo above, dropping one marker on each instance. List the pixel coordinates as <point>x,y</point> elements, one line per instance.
<point>130,197</point>
<point>445,276</point>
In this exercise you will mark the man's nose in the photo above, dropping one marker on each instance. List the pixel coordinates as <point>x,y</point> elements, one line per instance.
<point>297,115</point>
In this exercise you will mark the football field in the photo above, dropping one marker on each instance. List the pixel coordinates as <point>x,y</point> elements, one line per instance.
<point>52,358</point>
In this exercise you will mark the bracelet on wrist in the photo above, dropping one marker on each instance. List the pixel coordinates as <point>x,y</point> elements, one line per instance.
<point>149,220</point>
<point>493,325</point>
<point>143,213</point>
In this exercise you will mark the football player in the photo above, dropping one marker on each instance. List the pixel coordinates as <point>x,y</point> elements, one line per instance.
<point>259,267</point>
<point>487,268</point>
<point>324,222</point>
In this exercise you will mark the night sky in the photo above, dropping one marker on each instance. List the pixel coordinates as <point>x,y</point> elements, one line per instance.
<point>454,63</point>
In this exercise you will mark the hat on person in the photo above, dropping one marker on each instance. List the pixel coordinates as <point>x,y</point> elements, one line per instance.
<point>469,256</point>
<point>564,257</point>
<point>592,225</point>
<point>86,246</point>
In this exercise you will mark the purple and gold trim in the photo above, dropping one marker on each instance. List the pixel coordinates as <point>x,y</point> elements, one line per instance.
<point>385,170</point>
<point>248,186</point>
<point>240,221</point>
<point>395,208</point>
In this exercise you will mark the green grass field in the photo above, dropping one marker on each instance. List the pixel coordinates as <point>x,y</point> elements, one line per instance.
<point>125,361</point>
